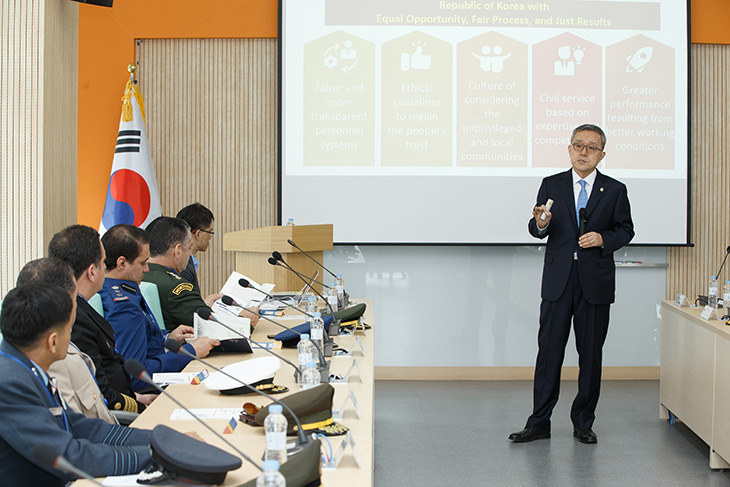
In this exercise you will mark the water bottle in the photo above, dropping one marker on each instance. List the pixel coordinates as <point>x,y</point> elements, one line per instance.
<point>310,377</point>
<point>290,223</point>
<point>726,297</point>
<point>332,296</point>
<point>275,426</point>
<point>305,351</point>
<point>340,287</point>
<point>712,294</point>
<point>310,307</point>
<point>316,332</point>
<point>271,477</point>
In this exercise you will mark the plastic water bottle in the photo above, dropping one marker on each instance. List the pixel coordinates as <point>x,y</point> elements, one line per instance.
<point>726,297</point>
<point>316,332</point>
<point>310,307</point>
<point>275,426</point>
<point>305,352</point>
<point>340,287</point>
<point>271,477</point>
<point>712,294</point>
<point>332,296</point>
<point>310,377</point>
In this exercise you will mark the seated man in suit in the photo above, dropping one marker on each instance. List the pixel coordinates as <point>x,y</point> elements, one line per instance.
<point>36,322</point>
<point>138,334</point>
<point>80,247</point>
<point>170,248</point>
<point>75,373</point>
<point>201,221</point>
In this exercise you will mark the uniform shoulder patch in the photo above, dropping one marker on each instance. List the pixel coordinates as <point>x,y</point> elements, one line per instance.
<point>183,286</point>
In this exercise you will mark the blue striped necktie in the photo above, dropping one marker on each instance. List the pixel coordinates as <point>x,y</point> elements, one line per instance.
<point>582,200</point>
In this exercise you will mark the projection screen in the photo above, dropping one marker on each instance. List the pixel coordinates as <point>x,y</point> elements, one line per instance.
<point>427,121</point>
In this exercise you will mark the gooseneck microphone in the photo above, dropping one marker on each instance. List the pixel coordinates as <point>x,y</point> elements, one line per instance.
<point>274,261</point>
<point>49,457</point>
<point>246,284</point>
<point>136,369</point>
<point>727,251</point>
<point>207,315</point>
<point>307,280</point>
<point>228,301</point>
<point>582,218</point>
<point>174,346</point>
<point>311,258</point>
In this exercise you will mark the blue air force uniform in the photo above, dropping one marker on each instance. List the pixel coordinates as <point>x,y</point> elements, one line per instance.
<point>31,415</point>
<point>138,335</point>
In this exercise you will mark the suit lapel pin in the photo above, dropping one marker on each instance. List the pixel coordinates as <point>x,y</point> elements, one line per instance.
<point>601,190</point>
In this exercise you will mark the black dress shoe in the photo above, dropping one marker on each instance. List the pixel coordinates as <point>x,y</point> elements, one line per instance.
<point>585,436</point>
<point>529,434</point>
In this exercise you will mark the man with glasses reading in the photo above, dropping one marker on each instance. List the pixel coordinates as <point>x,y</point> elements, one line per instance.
<point>589,220</point>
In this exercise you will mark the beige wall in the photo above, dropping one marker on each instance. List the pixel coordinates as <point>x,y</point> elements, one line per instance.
<point>690,267</point>
<point>38,128</point>
<point>212,116</point>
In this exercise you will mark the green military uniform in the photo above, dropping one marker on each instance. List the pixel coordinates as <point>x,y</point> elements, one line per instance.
<point>179,299</point>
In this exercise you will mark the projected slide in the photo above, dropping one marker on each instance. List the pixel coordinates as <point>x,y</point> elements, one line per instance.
<point>406,113</point>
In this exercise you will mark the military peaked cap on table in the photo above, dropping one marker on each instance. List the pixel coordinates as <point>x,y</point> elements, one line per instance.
<point>176,456</point>
<point>257,373</point>
<point>313,407</point>
<point>301,470</point>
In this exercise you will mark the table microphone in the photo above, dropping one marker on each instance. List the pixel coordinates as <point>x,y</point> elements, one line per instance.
<point>727,251</point>
<point>174,346</point>
<point>207,315</point>
<point>246,284</point>
<point>307,280</point>
<point>228,301</point>
<point>312,258</point>
<point>136,369</point>
<point>275,262</point>
<point>49,457</point>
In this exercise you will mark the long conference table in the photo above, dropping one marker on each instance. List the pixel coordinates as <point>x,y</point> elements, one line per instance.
<point>251,440</point>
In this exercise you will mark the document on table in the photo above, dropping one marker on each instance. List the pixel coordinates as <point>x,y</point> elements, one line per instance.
<point>206,413</point>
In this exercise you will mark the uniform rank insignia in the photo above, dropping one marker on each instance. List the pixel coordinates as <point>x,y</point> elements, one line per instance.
<point>183,286</point>
<point>117,294</point>
<point>128,288</point>
<point>175,275</point>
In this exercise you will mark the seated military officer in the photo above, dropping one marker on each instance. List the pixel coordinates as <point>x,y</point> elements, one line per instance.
<point>36,323</point>
<point>75,373</point>
<point>80,247</point>
<point>170,248</point>
<point>138,334</point>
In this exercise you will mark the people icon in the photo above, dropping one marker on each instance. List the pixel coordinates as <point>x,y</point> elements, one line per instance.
<point>564,66</point>
<point>494,63</point>
<point>348,52</point>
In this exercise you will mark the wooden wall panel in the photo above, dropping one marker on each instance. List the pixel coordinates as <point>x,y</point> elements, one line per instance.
<point>690,268</point>
<point>38,100</point>
<point>212,114</point>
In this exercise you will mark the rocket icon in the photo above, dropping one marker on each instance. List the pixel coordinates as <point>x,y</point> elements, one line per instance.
<point>639,59</point>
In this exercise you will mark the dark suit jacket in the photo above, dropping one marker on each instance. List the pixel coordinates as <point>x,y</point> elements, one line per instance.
<point>30,416</point>
<point>608,212</point>
<point>190,274</point>
<point>95,337</point>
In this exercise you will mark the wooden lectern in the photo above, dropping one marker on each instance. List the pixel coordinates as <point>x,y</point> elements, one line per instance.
<point>254,247</point>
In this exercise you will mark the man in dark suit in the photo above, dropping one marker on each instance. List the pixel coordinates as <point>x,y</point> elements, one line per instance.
<point>80,247</point>
<point>201,221</point>
<point>578,280</point>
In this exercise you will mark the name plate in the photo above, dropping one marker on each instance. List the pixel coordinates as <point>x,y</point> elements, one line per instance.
<point>681,301</point>
<point>709,313</point>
